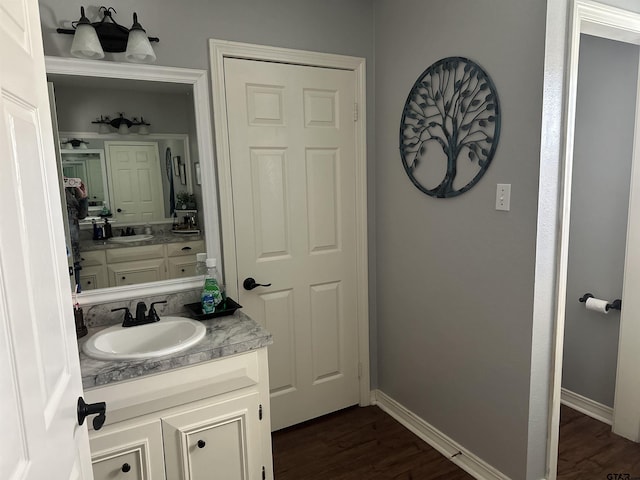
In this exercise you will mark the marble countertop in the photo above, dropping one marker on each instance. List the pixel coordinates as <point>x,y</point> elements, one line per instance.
<point>225,336</point>
<point>158,238</point>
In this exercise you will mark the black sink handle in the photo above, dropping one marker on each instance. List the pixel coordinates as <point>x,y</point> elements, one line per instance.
<point>153,315</point>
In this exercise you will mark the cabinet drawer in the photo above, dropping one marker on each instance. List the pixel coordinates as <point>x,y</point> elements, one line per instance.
<point>185,248</point>
<point>129,254</point>
<point>93,258</point>
<point>128,451</point>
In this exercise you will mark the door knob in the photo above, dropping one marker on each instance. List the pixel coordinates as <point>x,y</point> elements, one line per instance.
<point>86,409</point>
<point>250,283</point>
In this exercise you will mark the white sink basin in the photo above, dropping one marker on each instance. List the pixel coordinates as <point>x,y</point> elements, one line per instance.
<point>131,238</point>
<point>169,335</point>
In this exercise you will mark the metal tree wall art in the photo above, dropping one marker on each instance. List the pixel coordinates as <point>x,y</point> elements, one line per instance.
<point>450,127</point>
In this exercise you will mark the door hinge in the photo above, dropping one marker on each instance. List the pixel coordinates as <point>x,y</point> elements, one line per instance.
<point>260,412</point>
<point>355,112</point>
<point>264,473</point>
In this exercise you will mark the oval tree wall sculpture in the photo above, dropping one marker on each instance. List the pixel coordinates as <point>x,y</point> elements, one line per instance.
<point>452,115</point>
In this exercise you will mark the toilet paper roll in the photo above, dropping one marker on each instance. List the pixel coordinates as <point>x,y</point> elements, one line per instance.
<point>597,305</point>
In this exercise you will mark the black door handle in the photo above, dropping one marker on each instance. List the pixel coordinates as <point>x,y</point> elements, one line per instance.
<point>250,283</point>
<point>99,409</point>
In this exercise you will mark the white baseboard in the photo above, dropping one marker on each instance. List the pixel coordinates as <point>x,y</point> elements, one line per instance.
<point>587,406</point>
<point>457,454</point>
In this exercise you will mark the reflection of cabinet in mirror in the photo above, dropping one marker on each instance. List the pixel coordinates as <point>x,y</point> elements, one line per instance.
<point>89,166</point>
<point>115,267</point>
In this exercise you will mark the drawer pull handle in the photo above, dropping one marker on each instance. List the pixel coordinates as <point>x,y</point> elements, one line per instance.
<point>126,467</point>
<point>201,443</point>
<point>186,249</point>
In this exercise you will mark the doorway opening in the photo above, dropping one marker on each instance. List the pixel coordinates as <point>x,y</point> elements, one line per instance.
<point>606,24</point>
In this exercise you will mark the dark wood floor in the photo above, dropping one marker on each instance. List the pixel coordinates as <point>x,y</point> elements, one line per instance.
<point>357,444</point>
<point>366,443</point>
<point>588,450</point>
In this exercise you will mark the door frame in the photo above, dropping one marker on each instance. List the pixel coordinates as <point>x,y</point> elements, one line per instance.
<point>221,49</point>
<point>593,18</point>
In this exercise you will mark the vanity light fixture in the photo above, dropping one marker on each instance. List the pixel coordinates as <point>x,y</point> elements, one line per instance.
<point>122,124</point>
<point>91,40</point>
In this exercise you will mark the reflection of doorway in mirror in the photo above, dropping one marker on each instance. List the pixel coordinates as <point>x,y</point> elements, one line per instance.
<point>88,165</point>
<point>135,184</point>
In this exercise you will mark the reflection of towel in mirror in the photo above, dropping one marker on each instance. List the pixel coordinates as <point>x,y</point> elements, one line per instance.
<point>77,209</point>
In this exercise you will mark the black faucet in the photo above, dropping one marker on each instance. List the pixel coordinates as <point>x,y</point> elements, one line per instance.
<point>141,314</point>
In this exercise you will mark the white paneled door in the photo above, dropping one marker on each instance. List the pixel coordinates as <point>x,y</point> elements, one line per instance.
<point>135,181</point>
<point>40,371</point>
<point>292,150</point>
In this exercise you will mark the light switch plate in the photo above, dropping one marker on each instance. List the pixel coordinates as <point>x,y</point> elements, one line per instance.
<point>503,197</point>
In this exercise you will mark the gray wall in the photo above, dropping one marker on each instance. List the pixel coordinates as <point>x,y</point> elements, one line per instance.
<point>77,107</point>
<point>605,118</point>
<point>455,294</point>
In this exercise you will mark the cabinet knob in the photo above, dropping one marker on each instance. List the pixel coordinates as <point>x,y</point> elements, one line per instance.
<point>201,443</point>
<point>88,282</point>
<point>126,467</point>
<point>124,278</point>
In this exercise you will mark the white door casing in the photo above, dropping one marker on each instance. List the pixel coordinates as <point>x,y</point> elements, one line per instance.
<point>296,209</point>
<point>135,185</point>
<point>40,379</point>
<point>604,21</point>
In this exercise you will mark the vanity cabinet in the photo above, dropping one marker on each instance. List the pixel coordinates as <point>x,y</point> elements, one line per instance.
<point>209,421</point>
<point>116,267</point>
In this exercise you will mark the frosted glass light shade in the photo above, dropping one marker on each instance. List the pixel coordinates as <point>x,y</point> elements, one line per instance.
<point>123,129</point>
<point>138,47</point>
<point>104,128</point>
<point>143,130</point>
<point>86,44</point>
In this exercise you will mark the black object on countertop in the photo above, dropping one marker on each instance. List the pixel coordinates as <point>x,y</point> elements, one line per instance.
<point>227,307</point>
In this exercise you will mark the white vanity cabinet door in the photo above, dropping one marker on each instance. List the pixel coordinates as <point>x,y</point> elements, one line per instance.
<point>93,277</point>
<point>128,451</point>
<point>182,267</point>
<point>220,441</point>
<point>94,270</point>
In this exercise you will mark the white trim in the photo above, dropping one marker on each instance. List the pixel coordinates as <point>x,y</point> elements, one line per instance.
<point>585,405</point>
<point>219,49</point>
<point>465,459</point>
<point>198,79</point>
<point>607,22</point>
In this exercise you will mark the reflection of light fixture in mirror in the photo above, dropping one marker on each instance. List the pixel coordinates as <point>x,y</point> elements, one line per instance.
<point>91,40</point>
<point>122,124</point>
<point>143,128</point>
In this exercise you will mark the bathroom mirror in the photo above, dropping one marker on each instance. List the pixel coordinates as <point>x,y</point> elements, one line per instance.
<point>84,90</point>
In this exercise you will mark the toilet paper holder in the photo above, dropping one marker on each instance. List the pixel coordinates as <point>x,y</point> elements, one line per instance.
<point>615,305</point>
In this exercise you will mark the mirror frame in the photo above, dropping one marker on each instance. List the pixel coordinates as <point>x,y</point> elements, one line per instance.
<point>198,79</point>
